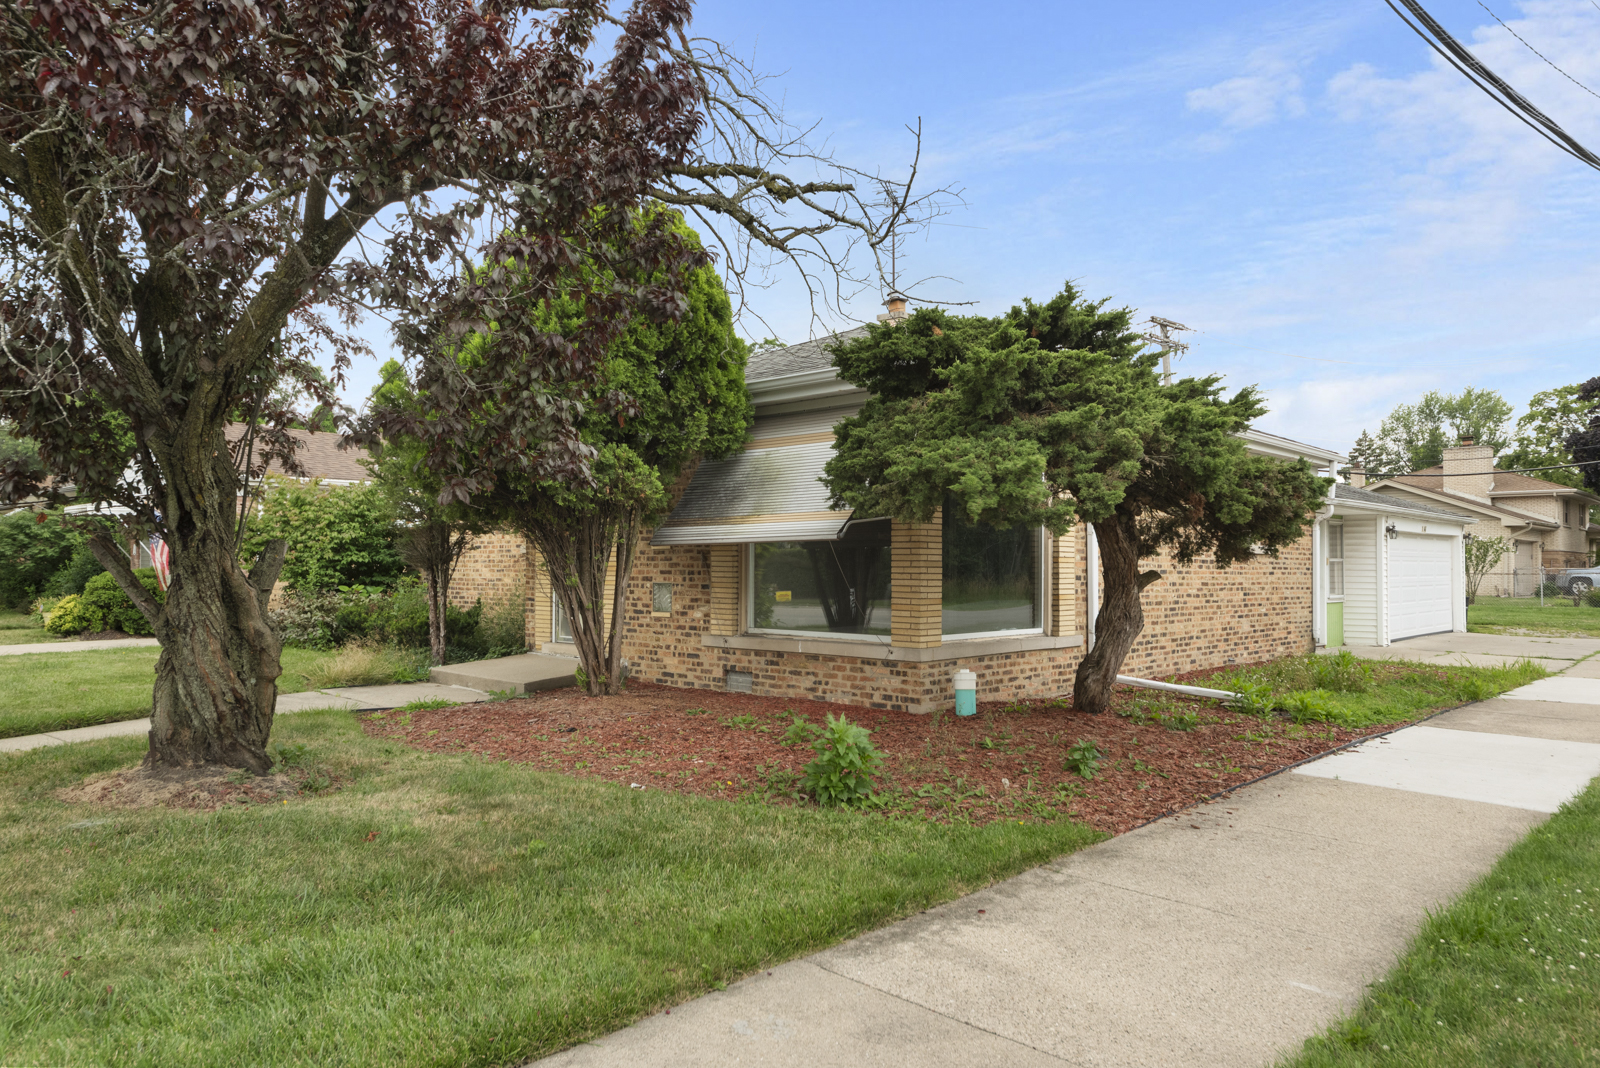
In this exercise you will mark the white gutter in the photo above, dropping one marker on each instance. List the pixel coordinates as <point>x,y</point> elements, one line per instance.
<point>1092,562</point>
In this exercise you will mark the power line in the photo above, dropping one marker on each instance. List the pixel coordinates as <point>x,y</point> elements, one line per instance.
<point>1492,84</point>
<point>1538,53</point>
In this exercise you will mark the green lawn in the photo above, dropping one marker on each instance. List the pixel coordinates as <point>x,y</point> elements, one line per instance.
<point>1506,976</point>
<point>438,910</point>
<point>77,688</point>
<point>16,628</point>
<point>1500,615</point>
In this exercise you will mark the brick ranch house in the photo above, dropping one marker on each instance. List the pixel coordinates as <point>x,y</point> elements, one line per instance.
<point>755,584</point>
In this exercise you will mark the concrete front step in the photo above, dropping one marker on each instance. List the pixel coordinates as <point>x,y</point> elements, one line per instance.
<point>520,674</point>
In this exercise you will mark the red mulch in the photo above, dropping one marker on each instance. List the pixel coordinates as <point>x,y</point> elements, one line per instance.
<point>1004,763</point>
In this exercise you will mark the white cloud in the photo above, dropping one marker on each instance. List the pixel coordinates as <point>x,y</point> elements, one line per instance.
<point>1271,90</point>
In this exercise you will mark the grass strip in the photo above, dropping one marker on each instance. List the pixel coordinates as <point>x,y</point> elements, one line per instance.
<point>437,910</point>
<point>1362,693</point>
<point>1557,616</point>
<point>17,628</point>
<point>57,691</point>
<point>1506,975</point>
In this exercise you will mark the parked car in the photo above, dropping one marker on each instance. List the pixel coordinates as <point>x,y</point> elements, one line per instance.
<point>1579,579</point>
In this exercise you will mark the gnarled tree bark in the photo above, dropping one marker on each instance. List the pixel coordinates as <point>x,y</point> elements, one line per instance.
<point>1120,619</point>
<point>216,678</point>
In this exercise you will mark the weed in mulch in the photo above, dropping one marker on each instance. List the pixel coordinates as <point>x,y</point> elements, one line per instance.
<point>1011,761</point>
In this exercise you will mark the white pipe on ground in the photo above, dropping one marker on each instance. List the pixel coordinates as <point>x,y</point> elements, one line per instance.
<point>1192,691</point>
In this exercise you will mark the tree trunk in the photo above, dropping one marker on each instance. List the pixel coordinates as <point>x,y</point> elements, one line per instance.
<point>579,551</point>
<point>216,678</point>
<point>1121,618</point>
<point>434,548</point>
<point>438,594</point>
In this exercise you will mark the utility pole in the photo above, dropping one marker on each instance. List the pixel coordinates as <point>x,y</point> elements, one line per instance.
<point>1168,343</point>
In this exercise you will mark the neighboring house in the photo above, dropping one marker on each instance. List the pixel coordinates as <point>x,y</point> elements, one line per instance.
<point>318,453</point>
<point>1547,523</point>
<point>754,583</point>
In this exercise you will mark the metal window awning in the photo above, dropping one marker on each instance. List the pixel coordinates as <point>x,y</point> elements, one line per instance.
<point>769,492</point>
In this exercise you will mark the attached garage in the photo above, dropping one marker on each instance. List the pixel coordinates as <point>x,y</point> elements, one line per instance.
<point>1390,569</point>
<point>1420,586</point>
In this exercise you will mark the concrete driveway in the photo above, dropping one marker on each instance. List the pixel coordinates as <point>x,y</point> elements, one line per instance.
<point>1483,650</point>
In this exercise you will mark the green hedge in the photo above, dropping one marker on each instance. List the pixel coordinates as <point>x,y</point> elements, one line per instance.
<point>103,606</point>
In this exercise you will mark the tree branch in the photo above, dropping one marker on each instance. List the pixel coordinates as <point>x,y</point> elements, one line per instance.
<point>114,560</point>
<point>264,576</point>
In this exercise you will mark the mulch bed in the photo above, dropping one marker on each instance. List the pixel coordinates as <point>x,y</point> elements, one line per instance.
<point>1007,762</point>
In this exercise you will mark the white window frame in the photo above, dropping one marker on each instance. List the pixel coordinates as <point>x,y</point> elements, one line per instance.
<point>1329,559</point>
<point>1020,632</point>
<point>748,551</point>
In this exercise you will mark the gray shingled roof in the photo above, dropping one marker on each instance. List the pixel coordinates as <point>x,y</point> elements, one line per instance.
<point>1342,492</point>
<point>797,359</point>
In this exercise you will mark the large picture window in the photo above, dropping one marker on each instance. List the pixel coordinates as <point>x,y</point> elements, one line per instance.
<point>991,577</point>
<point>823,587</point>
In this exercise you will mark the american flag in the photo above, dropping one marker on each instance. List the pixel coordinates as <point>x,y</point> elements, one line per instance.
<point>161,560</point>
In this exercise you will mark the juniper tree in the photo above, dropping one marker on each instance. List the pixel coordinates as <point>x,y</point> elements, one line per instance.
<point>1053,414</point>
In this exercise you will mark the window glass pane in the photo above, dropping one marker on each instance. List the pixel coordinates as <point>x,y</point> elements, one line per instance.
<point>1335,560</point>
<point>991,577</point>
<point>562,630</point>
<point>831,587</point>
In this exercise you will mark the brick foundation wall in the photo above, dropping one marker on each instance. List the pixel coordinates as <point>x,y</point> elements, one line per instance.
<point>1195,617</point>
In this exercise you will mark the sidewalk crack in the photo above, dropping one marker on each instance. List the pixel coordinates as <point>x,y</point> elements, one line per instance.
<point>947,1016</point>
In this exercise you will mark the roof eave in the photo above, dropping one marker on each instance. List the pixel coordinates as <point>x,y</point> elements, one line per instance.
<point>1282,448</point>
<point>821,384</point>
<point>1459,502</point>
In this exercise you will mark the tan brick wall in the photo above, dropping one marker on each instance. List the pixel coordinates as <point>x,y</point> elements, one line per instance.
<point>1195,617</point>
<point>1064,584</point>
<point>724,573</point>
<point>498,565</point>
<point>1202,616</point>
<point>916,615</point>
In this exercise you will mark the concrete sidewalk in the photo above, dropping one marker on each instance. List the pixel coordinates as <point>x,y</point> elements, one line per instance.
<point>349,698</point>
<point>1222,936</point>
<point>76,647</point>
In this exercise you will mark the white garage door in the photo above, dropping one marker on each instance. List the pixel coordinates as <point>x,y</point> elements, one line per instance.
<point>1420,600</point>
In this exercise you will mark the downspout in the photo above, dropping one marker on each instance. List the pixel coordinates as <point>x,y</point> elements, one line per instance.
<point>1092,561</point>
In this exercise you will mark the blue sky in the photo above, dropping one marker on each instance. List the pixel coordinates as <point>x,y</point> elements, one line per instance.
<point>1291,179</point>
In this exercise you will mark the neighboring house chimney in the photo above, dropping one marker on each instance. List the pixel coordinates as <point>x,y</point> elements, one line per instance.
<point>1466,459</point>
<point>896,303</point>
<point>1358,476</point>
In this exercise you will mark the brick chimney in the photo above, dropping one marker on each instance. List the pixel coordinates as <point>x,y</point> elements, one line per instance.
<point>1465,459</point>
<point>896,303</point>
<point>1358,476</point>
